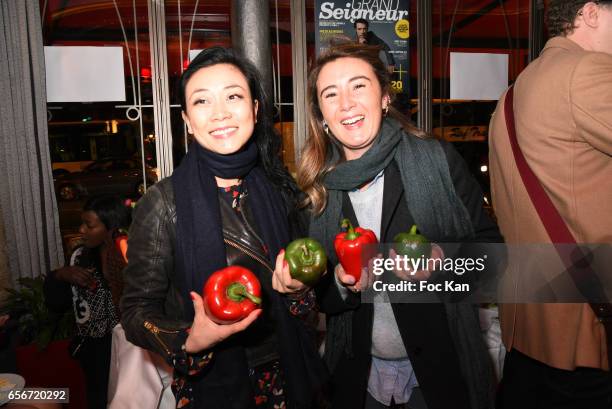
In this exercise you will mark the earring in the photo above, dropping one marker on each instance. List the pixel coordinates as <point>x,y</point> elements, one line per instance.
<point>386,110</point>
<point>326,127</point>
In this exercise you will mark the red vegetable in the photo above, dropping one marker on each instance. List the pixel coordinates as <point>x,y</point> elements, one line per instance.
<point>350,246</point>
<point>230,294</point>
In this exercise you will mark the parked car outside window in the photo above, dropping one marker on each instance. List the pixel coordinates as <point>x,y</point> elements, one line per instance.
<point>118,176</point>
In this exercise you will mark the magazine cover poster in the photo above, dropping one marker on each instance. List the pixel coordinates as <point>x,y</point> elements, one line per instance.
<point>379,22</point>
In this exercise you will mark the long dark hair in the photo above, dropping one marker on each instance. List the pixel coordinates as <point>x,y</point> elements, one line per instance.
<point>114,214</point>
<point>111,210</point>
<point>267,139</point>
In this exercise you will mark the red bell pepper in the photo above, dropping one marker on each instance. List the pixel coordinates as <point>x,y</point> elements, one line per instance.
<point>121,243</point>
<point>349,247</point>
<point>230,294</point>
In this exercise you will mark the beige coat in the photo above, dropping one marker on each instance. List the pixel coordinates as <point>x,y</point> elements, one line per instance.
<point>563,111</point>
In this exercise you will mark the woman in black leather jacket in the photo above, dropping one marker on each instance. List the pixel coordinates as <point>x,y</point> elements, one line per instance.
<point>230,202</point>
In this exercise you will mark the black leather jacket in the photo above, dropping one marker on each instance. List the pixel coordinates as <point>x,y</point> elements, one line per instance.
<point>154,314</point>
<point>150,278</point>
<point>152,238</point>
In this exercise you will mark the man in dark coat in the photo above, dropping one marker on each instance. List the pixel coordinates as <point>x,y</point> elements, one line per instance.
<point>368,37</point>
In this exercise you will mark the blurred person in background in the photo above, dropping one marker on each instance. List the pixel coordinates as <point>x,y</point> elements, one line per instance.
<point>92,284</point>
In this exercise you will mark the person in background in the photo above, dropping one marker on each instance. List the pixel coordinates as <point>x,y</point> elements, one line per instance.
<point>363,160</point>
<point>92,285</point>
<point>563,118</point>
<point>364,36</point>
<point>230,202</point>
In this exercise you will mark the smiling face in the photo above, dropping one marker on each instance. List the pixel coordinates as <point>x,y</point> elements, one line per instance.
<point>351,101</point>
<point>220,111</point>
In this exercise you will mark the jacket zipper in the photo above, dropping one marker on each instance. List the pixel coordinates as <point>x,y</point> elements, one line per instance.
<point>248,226</point>
<point>156,330</point>
<point>248,253</point>
<point>246,222</point>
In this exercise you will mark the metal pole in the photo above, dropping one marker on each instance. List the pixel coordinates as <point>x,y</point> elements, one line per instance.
<point>161,92</point>
<point>298,58</point>
<point>424,55</point>
<point>251,36</point>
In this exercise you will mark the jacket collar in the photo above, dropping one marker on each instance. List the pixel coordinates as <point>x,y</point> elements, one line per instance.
<point>562,42</point>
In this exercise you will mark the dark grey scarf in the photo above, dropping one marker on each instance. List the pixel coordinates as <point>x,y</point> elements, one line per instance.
<point>440,215</point>
<point>437,210</point>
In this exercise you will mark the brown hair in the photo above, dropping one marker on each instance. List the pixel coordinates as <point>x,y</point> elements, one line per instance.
<point>315,161</point>
<point>561,15</point>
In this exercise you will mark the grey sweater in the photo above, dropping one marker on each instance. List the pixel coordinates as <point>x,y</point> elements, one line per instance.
<point>386,339</point>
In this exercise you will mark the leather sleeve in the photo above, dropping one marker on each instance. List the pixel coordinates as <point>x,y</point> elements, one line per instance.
<point>151,306</point>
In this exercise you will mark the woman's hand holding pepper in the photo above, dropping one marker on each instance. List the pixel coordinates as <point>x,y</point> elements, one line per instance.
<point>347,280</point>
<point>76,275</point>
<point>420,275</point>
<point>205,333</point>
<point>282,280</point>
<point>365,281</point>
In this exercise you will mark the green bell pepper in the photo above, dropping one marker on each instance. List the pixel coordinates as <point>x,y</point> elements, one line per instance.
<point>412,244</point>
<point>307,260</point>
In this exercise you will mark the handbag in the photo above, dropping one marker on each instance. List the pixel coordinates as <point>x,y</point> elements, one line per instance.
<point>582,274</point>
<point>138,378</point>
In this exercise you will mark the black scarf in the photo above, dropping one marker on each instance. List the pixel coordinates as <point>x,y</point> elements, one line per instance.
<point>201,251</point>
<point>199,233</point>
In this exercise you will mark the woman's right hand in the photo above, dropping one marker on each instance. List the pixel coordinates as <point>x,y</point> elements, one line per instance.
<point>205,333</point>
<point>348,281</point>
<point>83,277</point>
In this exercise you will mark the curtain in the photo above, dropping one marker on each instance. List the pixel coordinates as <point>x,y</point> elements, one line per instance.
<point>27,198</point>
<point>5,276</point>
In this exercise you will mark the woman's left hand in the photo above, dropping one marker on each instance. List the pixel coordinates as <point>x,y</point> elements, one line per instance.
<point>282,280</point>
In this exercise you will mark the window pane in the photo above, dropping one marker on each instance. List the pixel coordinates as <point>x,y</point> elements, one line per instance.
<point>84,136</point>
<point>191,25</point>
<point>474,26</point>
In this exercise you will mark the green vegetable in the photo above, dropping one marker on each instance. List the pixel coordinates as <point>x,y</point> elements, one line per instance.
<point>307,260</point>
<point>412,244</point>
